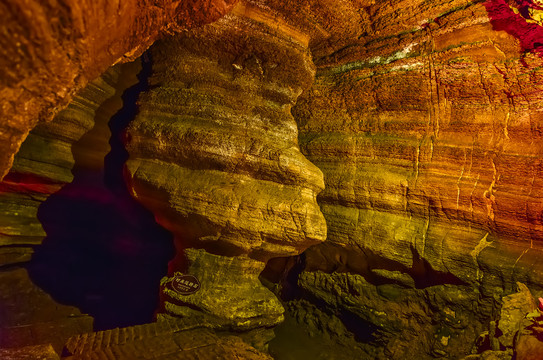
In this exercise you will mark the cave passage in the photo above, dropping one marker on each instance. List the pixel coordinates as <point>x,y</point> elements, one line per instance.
<point>104,253</point>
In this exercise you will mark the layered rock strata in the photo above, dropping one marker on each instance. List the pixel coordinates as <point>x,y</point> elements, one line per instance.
<point>45,161</point>
<point>424,118</point>
<point>426,128</point>
<point>49,51</point>
<point>44,165</point>
<point>214,155</point>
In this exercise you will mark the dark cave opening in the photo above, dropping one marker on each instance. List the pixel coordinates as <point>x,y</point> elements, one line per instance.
<point>104,253</point>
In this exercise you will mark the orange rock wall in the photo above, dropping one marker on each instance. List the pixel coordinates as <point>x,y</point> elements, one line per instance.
<point>429,139</point>
<point>50,50</point>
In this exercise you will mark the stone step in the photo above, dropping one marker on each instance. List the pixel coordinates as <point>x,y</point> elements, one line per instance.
<point>159,341</point>
<point>85,343</point>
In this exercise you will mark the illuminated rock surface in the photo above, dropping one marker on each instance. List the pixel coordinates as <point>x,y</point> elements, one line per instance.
<point>43,166</point>
<point>54,49</point>
<point>214,155</point>
<point>427,134</point>
<point>418,125</point>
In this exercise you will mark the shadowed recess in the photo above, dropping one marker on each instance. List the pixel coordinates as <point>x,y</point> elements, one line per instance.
<point>104,252</point>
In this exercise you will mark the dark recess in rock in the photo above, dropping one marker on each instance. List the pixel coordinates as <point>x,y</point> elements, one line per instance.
<point>103,253</point>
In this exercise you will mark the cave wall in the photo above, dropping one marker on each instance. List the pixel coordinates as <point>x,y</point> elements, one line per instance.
<point>44,165</point>
<point>45,162</point>
<point>427,130</point>
<point>420,120</point>
<point>51,50</point>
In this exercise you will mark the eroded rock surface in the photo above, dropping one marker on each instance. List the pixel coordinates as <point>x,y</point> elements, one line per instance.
<point>44,164</point>
<point>49,51</point>
<point>42,167</point>
<point>424,118</point>
<point>230,294</point>
<point>214,155</point>
<point>426,134</point>
<point>514,309</point>
<point>425,125</point>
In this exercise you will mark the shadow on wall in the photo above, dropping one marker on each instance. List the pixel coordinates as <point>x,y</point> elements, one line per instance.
<point>104,253</point>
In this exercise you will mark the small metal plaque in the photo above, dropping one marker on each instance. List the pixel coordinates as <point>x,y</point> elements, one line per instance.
<point>185,284</point>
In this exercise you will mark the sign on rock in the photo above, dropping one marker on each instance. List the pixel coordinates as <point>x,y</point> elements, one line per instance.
<point>185,284</point>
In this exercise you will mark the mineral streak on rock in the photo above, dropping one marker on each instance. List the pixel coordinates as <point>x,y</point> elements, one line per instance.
<point>50,50</point>
<point>214,152</point>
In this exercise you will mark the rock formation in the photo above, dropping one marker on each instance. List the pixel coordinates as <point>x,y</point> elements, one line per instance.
<point>43,167</point>
<point>44,164</point>
<point>426,130</point>
<point>214,155</point>
<point>51,50</point>
<point>417,123</point>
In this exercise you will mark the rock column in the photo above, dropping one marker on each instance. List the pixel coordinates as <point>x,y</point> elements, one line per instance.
<point>214,154</point>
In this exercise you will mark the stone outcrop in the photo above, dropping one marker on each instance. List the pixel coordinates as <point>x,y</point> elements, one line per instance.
<point>425,125</point>
<point>427,138</point>
<point>529,344</point>
<point>49,51</point>
<point>514,309</point>
<point>519,332</point>
<point>230,294</point>
<point>214,155</point>
<point>77,137</point>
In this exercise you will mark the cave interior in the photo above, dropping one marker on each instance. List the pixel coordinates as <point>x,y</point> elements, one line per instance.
<point>266,179</point>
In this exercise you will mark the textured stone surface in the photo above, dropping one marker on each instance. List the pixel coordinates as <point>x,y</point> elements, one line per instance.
<point>164,340</point>
<point>424,118</point>
<point>230,293</point>
<point>42,167</point>
<point>29,316</point>
<point>407,323</point>
<point>426,127</point>
<point>45,161</point>
<point>529,344</point>
<point>214,155</point>
<point>214,149</point>
<point>39,352</point>
<point>51,50</point>
<point>426,134</point>
<point>514,309</point>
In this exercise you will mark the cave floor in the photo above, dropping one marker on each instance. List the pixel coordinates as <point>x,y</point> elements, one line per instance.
<point>162,340</point>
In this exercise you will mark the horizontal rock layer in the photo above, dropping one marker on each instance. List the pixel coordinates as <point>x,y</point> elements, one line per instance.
<point>423,117</point>
<point>214,154</point>
<point>45,161</point>
<point>51,50</point>
<point>76,138</point>
<point>427,131</point>
<point>213,151</point>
